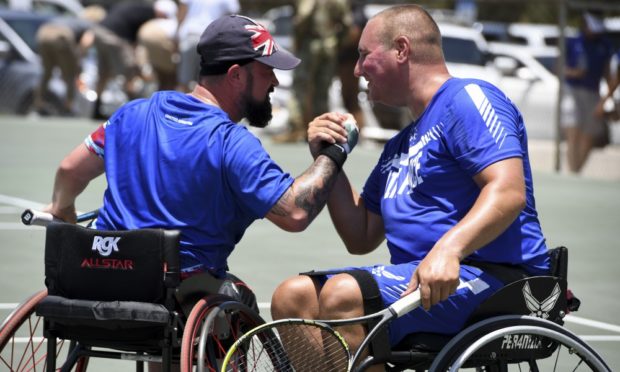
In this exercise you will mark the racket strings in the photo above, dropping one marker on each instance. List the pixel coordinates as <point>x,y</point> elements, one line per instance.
<point>292,347</point>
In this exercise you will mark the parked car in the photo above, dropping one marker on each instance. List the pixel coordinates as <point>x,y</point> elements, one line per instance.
<point>530,85</point>
<point>467,53</point>
<point>493,31</point>
<point>612,28</point>
<point>534,35</point>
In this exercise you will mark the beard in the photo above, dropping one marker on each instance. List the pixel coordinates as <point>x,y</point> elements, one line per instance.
<point>258,113</point>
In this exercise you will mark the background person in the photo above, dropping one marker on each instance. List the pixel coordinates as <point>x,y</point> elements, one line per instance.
<point>62,46</point>
<point>193,17</point>
<point>347,58</point>
<point>156,39</point>
<point>115,40</point>
<point>318,27</point>
<point>587,62</point>
<point>452,193</point>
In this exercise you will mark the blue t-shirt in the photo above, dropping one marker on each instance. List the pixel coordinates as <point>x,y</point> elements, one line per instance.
<point>174,162</point>
<point>590,54</point>
<point>423,184</point>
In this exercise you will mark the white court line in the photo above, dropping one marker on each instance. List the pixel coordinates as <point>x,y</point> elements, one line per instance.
<point>34,340</point>
<point>10,210</point>
<point>264,305</point>
<point>19,202</point>
<point>8,306</point>
<point>18,205</point>
<point>599,338</point>
<point>17,226</point>
<point>592,323</point>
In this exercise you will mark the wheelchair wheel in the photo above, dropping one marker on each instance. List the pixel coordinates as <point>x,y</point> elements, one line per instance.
<point>500,341</point>
<point>22,345</point>
<point>213,325</point>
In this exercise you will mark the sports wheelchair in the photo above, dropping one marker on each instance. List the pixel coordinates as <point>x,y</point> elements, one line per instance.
<point>520,325</point>
<point>118,295</point>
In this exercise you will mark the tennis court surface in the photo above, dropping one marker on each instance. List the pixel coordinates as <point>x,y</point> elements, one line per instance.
<point>578,212</point>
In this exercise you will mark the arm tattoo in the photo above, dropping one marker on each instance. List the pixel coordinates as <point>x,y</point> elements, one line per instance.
<point>311,189</point>
<point>280,208</point>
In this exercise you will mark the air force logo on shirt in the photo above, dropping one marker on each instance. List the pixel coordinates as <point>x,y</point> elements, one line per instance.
<point>405,174</point>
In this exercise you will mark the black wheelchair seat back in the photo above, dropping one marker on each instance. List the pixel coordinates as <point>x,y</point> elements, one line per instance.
<point>115,295</point>
<point>87,264</point>
<point>103,282</point>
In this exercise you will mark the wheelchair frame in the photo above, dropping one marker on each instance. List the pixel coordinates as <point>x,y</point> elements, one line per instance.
<point>512,326</point>
<point>215,321</point>
<point>107,328</point>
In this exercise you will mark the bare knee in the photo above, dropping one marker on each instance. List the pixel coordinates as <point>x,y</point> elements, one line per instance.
<point>296,297</point>
<point>341,298</point>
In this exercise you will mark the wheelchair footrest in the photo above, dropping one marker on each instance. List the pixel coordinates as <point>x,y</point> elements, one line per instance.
<point>76,312</point>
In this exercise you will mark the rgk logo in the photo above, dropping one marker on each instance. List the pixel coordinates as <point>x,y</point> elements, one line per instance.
<point>106,245</point>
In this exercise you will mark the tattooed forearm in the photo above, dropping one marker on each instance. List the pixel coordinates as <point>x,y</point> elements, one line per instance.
<point>280,208</point>
<point>310,190</point>
<point>315,185</point>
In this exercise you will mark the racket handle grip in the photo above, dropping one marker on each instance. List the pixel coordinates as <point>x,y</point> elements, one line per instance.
<point>406,304</point>
<point>36,218</point>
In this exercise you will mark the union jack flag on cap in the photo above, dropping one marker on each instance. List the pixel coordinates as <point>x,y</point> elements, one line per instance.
<point>237,39</point>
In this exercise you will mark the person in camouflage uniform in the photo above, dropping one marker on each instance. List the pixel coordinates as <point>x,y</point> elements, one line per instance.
<point>318,26</point>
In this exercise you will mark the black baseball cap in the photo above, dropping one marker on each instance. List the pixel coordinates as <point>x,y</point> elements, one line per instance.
<point>237,39</point>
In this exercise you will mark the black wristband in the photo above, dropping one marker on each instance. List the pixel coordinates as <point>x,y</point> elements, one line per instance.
<point>336,153</point>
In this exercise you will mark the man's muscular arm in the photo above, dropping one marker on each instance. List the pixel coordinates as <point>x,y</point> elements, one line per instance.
<point>306,197</point>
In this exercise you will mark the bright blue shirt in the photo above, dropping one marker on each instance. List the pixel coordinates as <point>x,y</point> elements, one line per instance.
<point>592,55</point>
<point>174,162</point>
<point>423,183</point>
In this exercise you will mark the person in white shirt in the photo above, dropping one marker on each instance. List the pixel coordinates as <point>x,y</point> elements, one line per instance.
<point>194,16</point>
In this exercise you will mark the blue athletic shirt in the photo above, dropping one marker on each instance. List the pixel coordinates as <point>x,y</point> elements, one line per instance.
<point>423,183</point>
<point>174,162</point>
<point>590,54</point>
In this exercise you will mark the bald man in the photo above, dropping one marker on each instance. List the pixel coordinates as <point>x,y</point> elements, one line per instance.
<point>451,194</point>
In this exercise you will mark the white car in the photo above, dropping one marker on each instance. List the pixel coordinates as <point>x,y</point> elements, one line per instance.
<point>534,35</point>
<point>467,53</point>
<point>530,85</point>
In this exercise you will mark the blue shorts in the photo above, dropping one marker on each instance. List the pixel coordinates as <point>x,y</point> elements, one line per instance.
<point>447,317</point>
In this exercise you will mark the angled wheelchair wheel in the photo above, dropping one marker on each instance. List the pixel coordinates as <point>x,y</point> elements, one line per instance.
<point>213,325</point>
<point>22,344</point>
<point>531,343</point>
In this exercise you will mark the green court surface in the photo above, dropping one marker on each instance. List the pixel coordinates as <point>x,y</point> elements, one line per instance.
<point>582,214</point>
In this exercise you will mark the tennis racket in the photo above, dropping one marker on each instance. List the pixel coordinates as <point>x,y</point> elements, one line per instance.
<point>307,345</point>
<point>37,218</point>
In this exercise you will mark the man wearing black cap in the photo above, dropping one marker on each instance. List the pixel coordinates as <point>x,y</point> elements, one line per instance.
<point>181,161</point>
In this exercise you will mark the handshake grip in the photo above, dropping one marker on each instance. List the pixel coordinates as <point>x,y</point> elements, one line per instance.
<point>338,152</point>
